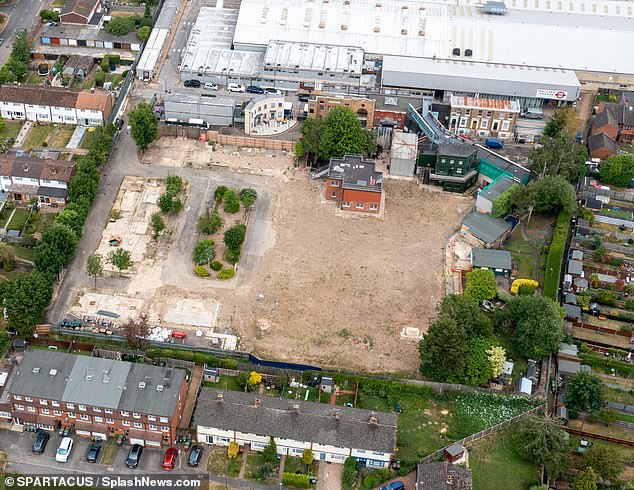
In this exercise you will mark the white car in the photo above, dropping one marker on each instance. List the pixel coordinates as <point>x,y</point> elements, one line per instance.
<point>63,451</point>
<point>235,87</point>
<point>210,86</point>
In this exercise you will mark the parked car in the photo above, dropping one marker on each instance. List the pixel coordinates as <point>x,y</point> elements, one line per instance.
<point>195,455</point>
<point>192,83</point>
<point>533,113</point>
<point>494,143</point>
<point>395,485</point>
<point>39,445</point>
<point>64,449</point>
<point>210,86</point>
<point>271,90</point>
<point>134,456</point>
<point>235,87</point>
<point>254,89</point>
<point>303,97</point>
<point>94,450</point>
<point>170,459</point>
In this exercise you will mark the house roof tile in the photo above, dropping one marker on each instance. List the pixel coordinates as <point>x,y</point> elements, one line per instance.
<point>35,95</point>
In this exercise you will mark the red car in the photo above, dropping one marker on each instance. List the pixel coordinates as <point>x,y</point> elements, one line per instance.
<point>170,459</point>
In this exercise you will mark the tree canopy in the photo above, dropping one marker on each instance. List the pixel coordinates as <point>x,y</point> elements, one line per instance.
<point>120,25</point>
<point>552,193</point>
<point>538,325</point>
<point>443,351</point>
<point>585,480</point>
<point>563,121</point>
<point>339,133</point>
<point>478,369</point>
<point>204,252</point>
<point>584,393</point>
<point>209,223</point>
<point>560,155</point>
<point>25,297</point>
<point>94,267</point>
<point>481,285</point>
<point>605,461</point>
<point>121,259</point>
<point>55,249</point>
<point>143,125</point>
<point>467,313</point>
<point>617,170</point>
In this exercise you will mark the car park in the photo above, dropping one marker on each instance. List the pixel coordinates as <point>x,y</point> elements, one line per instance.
<point>195,455</point>
<point>192,83</point>
<point>64,449</point>
<point>134,456</point>
<point>169,461</point>
<point>39,445</point>
<point>94,450</point>
<point>210,86</point>
<point>254,89</point>
<point>235,87</point>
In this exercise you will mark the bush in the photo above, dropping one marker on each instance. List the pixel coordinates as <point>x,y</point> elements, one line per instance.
<point>234,236</point>
<point>209,223</point>
<point>593,418</point>
<point>296,480</point>
<point>526,290</point>
<point>204,252</point>
<point>216,265</point>
<point>554,259</point>
<point>199,358</point>
<point>201,271</point>
<point>232,256</point>
<point>231,202</point>
<point>49,15</point>
<point>120,25</point>
<point>173,184</point>
<point>226,274</point>
<point>220,192</point>
<point>248,196</point>
<point>350,473</point>
<point>629,304</point>
<point>100,78</point>
<point>603,297</point>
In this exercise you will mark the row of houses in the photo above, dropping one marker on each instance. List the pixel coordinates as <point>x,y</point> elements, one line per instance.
<point>613,124</point>
<point>55,105</point>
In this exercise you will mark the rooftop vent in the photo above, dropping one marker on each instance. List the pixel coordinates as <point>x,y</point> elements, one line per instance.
<point>257,402</point>
<point>494,8</point>
<point>36,370</point>
<point>105,379</point>
<point>421,33</point>
<point>52,372</point>
<point>168,373</point>
<point>376,29</point>
<point>159,387</point>
<point>220,397</point>
<point>404,32</point>
<point>374,420</point>
<point>456,51</point>
<point>295,408</point>
<point>141,385</point>
<point>322,24</point>
<point>468,52</point>
<point>25,167</point>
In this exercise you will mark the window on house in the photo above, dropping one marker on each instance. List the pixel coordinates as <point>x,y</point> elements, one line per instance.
<point>30,409</point>
<point>152,426</point>
<point>151,418</point>
<point>125,414</point>
<point>345,204</point>
<point>44,411</point>
<point>70,406</point>
<point>479,113</point>
<point>484,123</point>
<point>98,419</point>
<point>489,114</point>
<point>43,402</point>
<point>333,195</point>
<point>57,412</point>
<point>17,397</point>
<point>374,207</point>
<point>110,421</point>
<point>19,407</point>
<point>83,416</point>
<point>165,429</point>
<point>28,399</point>
<point>108,411</point>
<point>126,423</point>
<point>334,183</point>
<point>359,205</point>
<point>82,408</point>
<point>164,420</point>
<point>71,415</point>
<point>138,425</point>
<point>55,404</point>
<point>136,415</point>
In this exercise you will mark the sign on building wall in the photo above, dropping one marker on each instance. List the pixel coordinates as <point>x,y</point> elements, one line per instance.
<point>551,94</point>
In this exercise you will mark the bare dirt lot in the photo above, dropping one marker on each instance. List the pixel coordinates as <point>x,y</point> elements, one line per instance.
<point>338,287</point>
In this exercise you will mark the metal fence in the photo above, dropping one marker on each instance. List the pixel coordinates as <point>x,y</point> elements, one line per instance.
<point>479,435</point>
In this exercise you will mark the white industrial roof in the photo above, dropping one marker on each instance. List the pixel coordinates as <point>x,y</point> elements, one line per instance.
<point>152,51</point>
<point>546,33</point>
<point>315,57</point>
<point>404,145</point>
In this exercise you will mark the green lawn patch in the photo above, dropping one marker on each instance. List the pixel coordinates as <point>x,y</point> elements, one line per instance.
<point>230,383</point>
<point>495,464</point>
<point>109,451</point>
<point>38,136</point>
<point>619,396</point>
<point>626,417</point>
<point>62,136</point>
<point>555,256</point>
<point>520,364</point>
<point>22,252</point>
<point>220,464</point>
<point>295,465</point>
<point>18,220</point>
<point>526,266</point>
<point>10,130</point>
<point>32,78</point>
<point>258,469</point>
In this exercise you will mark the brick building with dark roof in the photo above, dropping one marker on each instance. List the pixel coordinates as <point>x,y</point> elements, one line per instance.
<point>612,124</point>
<point>354,183</point>
<point>79,11</point>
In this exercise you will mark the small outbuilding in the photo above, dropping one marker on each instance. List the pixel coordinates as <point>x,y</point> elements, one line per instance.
<point>499,261</point>
<point>484,201</point>
<point>326,384</point>
<point>525,386</point>
<point>575,267</point>
<point>580,284</point>
<point>404,153</point>
<point>482,230</point>
<point>573,312</point>
<point>456,453</point>
<point>211,374</point>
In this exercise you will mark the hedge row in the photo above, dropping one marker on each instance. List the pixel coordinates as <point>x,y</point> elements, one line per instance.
<point>197,357</point>
<point>296,480</point>
<point>606,364</point>
<point>555,256</point>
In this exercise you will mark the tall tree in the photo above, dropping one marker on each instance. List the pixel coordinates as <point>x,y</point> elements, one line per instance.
<point>481,285</point>
<point>269,453</point>
<point>605,461</point>
<point>514,200</point>
<point>56,248</point>
<point>94,267</point>
<point>209,223</point>
<point>341,133</point>
<point>136,333</point>
<point>559,156</point>
<point>121,259</point>
<point>21,48</point>
<point>143,125</point>
<point>563,121</point>
<point>552,193</point>
<point>248,197</point>
<point>538,325</point>
<point>443,351</point>
<point>618,170</point>
<point>25,298</point>
<point>585,480</point>
<point>497,358</point>
<point>584,393</point>
<point>466,312</point>
<point>478,369</point>
<point>542,441</point>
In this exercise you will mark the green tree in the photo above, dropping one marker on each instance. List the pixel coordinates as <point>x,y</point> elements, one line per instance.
<point>2,124</point>
<point>552,193</point>
<point>234,236</point>
<point>513,200</point>
<point>481,285</point>
<point>307,457</point>
<point>21,48</point>
<point>585,480</point>
<point>121,259</point>
<point>94,267</point>
<point>56,248</point>
<point>248,197</point>
<point>605,461</point>
<point>443,351</point>
<point>269,453</point>
<point>563,121</point>
<point>120,25</point>
<point>350,473</point>
<point>559,156</point>
<point>165,203</point>
<point>219,193</point>
<point>497,358</point>
<point>143,33</point>
<point>617,170</point>
<point>542,441</point>
<point>478,369</point>
<point>143,125</point>
<point>230,201</point>
<point>173,184</point>
<point>7,258</point>
<point>25,298</point>
<point>338,134</point>
<point>100,78</point>
<point>538,325</point>
<point>136,333</point>
<point>157,224</point>
<point>209,223</point>
<point>466,312</point>
<point>608,416</point>
<point>584,393</point>
<point>233,450</point>
<point>204,252</point>
<point>71,218</point>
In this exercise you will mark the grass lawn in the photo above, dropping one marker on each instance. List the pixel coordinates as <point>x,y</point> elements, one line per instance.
<point>626,418</point>
<point>115,78</point>
<point>38,135</point>
<point>40,222</point>
<point>226,383</point>
<point>520,364</point>
<point>295,465</point>
<point>109,451</point>
<point>255,464</point>
<point>619,396</point>
<point>219,464</point>
<point>495,464</point>
<point>10,130</point>
<point>22,252</point>
<point>58,3</point>
<point>32,78</point>
<point>62,136</point>
<point>18,220</point>
<point>523,256</point>
<point>624,453</point>
<point>86,141</point>
<point>600,428</point>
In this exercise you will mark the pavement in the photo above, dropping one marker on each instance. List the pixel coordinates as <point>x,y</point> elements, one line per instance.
<point>22,14</point>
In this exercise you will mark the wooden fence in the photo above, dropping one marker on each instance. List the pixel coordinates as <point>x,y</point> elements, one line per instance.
<point>479,435</point>
<point>265,143</point>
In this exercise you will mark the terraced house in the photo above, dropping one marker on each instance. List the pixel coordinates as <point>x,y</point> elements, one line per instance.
<point>333,433</point>
<point>98,398</point>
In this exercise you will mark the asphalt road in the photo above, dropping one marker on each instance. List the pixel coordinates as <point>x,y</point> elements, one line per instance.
<point>22,14</point>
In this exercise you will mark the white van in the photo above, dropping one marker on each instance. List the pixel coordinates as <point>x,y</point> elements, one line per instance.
<point>532,113</point>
